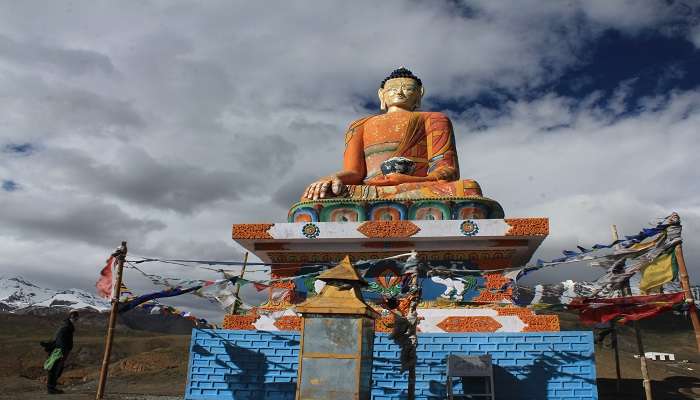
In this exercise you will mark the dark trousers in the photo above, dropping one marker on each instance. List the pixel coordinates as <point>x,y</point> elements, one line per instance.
<point>55,372</point>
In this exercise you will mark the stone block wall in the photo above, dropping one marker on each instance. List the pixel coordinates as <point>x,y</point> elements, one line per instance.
<point>240,365</point>
<point>527,366</point>
<point>229,364</point>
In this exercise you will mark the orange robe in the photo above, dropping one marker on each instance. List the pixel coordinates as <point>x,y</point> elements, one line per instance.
<point>428,141</point>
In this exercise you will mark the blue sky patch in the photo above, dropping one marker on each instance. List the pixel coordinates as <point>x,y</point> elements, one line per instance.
<point>648,64</point>
<point>644,65</point>
<point>9,185</point>
<point>19,148</point>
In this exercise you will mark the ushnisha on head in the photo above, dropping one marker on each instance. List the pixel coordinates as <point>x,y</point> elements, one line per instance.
<point>400,91</point>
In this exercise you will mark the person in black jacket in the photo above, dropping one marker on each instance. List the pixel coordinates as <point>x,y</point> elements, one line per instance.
<point>64,341</point>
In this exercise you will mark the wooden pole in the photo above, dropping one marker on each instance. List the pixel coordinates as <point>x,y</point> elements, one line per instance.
<point>646,382</point>
<point>685,283</point>
<point>234,307</point>
<point>618,373</point>
<point>121,257</point>
<point>614,338</point>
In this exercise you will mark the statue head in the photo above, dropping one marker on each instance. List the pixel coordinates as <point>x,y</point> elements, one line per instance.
<point>401,89</point>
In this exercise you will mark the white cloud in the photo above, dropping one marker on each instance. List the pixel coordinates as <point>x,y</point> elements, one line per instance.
<point>593,171</point>
<point>695,36</point>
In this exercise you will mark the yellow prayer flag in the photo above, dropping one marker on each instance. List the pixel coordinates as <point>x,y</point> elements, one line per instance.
<point>647,244</point>
<point>658,272</point>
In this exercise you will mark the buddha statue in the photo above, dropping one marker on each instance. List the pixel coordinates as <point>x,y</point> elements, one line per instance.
<point>400,155</point>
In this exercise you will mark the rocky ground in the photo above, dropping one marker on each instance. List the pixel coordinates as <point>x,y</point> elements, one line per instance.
<point>678,380</point>
<point>144,365</point>
<point>149,365</point>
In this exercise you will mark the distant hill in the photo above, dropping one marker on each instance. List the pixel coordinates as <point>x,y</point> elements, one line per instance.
<point>18,296</point>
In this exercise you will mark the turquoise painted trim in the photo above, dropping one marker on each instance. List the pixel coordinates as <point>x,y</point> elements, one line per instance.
<point>444,207</point>
<point>305,211</point>
<point>458,206</point>
<point>327,210</point>
<point>321,209</point>
<point>497,211</point>
<point>397,206</point>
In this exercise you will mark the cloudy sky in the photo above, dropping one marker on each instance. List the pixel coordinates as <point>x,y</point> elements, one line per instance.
<point>164,122</point>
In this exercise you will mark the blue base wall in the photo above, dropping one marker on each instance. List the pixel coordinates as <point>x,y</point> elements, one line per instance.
<point>241,365</point>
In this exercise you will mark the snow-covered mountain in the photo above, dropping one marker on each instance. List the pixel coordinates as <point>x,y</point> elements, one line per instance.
<point>17,294</point>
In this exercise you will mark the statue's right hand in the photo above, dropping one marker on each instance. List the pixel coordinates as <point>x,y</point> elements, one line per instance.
<point>320,188</point>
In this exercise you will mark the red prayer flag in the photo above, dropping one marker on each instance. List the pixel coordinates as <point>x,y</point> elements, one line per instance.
<point>632,308</point>
<point>104,284</point>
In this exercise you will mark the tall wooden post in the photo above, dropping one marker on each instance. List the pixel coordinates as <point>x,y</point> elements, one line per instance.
<point>646,382</point>
<point>616,347</point>
<point>120,254</point>
<point>685,283</point>
<point>614,339</point>
<point>234,307</point>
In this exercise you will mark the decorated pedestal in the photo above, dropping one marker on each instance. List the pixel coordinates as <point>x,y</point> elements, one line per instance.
<point>461,207</point>
<point>479,249</point>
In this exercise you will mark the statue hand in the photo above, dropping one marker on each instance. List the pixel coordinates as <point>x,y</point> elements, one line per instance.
<point>320,188</point>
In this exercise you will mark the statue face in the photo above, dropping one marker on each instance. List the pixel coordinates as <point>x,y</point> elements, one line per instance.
<point>404,93</point>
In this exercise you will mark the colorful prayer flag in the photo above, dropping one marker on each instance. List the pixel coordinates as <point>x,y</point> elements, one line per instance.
<point>123,307</point>
<point>104,284</point>
<point>594,311</point>
<point>125,294</point>
<point>662,270</point>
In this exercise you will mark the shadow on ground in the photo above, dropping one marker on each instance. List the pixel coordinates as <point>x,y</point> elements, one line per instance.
<point>671,388</point>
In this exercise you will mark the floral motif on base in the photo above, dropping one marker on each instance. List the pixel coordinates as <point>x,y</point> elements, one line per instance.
<point>496,281</point>
<point>469,324</point>
<point>310,230</point>
<point>485,259</point>
<point>486,296</point>
<point>388,229</point>
<point>252,231</point>
<point>240,322</point>
<point>288,323</point>
<point>515,311</point>
<point>541,323</point>
<point>469,228</point>
<point>527,226</point>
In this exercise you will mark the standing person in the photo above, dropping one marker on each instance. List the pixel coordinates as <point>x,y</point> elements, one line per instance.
<point>59,348</point>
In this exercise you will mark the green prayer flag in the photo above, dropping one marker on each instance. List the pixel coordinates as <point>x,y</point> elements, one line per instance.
<point>55,355</point>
